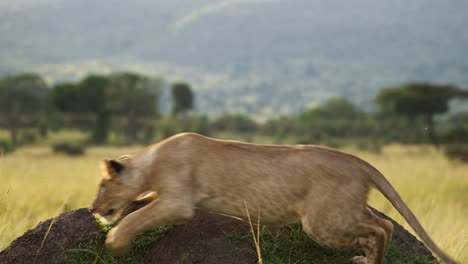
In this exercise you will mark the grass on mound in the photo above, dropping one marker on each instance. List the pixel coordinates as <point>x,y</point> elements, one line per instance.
<point>99,254</point>
<point>291,245</point>
<point>288,245</point>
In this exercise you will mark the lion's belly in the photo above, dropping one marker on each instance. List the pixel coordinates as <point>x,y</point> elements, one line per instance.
<point>269,212</point>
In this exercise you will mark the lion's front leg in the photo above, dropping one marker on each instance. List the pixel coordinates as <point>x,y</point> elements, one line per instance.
<point>157,213</point>
<point>117,244</point>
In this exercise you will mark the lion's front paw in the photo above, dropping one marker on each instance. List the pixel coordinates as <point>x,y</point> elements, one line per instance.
<point>118,246</point>
<point>359,260</point>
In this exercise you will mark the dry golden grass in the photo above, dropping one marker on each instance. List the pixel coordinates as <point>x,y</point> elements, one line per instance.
<point>435,189</point>
<point>36,184</point>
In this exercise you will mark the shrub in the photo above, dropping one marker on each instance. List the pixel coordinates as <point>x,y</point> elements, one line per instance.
<point>28,137</point>
<point>237,123</point>
<point>457,135</point>
<point>168,127</point>
<point>149,132</point>
<point>457,152</point>
<point>68,149</point>
<point>200,125</point>
<point>43,129</point>
<point>6,146</point>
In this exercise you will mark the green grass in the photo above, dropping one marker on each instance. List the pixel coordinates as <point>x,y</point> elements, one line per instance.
<point>292,245</point>
<point>99,254</point>
<point>288,245</point>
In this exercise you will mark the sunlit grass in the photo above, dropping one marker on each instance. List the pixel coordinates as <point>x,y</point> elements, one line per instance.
<point>4,134</point>
<point>435,189</point>
<point>36,184</point>
<point>53,137</point>
<point>64,136</point>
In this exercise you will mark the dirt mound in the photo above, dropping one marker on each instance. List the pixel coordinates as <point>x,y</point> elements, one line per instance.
<point>68,231</point>
<point>202,240</point>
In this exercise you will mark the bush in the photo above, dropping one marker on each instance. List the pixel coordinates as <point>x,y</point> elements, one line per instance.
<point>43,129</point>
<point>149,132</point>
<point>68,149</point>
<point>168,127</point>
<point>457,152</point>
<point>235,123</point>
<point>332,143</point>
<point>6,146</point>
<point>201,125</point>
<point>457,135</point>
<point>28,137</point>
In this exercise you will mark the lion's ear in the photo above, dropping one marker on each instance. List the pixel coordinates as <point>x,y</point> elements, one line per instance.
<point>146,197</point>
<point>111,168</point>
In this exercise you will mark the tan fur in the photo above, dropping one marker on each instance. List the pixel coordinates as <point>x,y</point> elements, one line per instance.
<point>325,189</point>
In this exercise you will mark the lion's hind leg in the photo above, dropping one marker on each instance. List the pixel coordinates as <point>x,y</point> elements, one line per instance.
<point>343,221</point>
<point>369,237</point>
<point>386,225</point>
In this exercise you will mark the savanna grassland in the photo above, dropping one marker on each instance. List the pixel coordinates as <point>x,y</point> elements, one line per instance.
<point>36,184</point>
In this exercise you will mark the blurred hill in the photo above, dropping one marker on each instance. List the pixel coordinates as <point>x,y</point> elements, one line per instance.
<point>262,57</point>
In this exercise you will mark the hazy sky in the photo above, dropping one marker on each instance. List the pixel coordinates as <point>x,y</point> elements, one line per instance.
<point>19,5</point>
<point>213,8</point>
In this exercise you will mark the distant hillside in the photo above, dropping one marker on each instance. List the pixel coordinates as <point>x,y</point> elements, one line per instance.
<point>265,57</point>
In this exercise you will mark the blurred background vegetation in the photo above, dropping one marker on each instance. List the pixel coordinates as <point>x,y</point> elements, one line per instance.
<point>366,73</point>
<point>124,109</point>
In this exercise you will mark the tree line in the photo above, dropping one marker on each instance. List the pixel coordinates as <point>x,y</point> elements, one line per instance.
<point>127,105</point>
<point>126,102</point>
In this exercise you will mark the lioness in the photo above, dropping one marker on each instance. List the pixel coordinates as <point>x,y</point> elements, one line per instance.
<point>325,189</point>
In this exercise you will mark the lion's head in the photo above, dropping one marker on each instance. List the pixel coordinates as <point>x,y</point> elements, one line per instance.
<point>120,189</point>
<point>113,193</point>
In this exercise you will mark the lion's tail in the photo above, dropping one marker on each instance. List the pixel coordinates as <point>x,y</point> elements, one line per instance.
<point>384,186</point>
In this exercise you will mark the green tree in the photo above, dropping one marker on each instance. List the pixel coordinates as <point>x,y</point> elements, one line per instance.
<point>86,98</point>
<point>182,98</point>
<point>64,96</point>
<point>337,117</point>
<point>22,100</point>
<point>419,99</point>
<point>93,91</point>
<point>135,98</point>
<point>333,109</point>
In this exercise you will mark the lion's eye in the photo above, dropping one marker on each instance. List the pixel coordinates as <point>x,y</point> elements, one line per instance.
<point>110,212</point>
